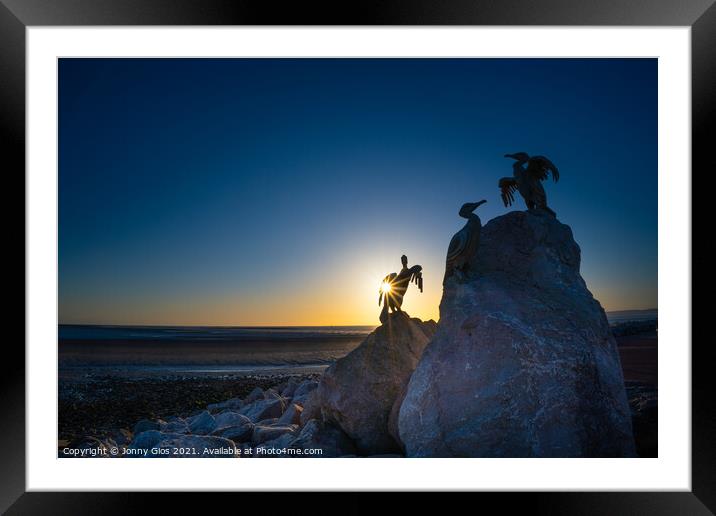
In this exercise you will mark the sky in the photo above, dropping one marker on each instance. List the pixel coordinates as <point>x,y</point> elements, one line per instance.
<point>281,191</point>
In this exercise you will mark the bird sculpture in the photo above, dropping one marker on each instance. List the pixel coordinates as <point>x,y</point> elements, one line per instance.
<point>464,244</point>
<point>394,285</point>
<point>528,174</point>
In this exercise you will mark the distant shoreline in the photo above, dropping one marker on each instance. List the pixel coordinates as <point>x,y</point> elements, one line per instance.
<point>611,314</point>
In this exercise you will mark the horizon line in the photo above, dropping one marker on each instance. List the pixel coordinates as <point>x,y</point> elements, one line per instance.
<point>163,325</point>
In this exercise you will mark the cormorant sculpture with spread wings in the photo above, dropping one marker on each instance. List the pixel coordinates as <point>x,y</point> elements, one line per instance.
<point>394,285</point>
<point>528,174</point>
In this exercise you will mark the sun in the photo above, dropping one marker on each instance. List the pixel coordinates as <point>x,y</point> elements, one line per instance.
<point>386,287</point>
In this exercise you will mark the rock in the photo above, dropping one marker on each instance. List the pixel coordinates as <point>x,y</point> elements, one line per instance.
<point>290,389</point>
<point>332,441</point>
<point>238,434</point>
<point>203,424</point>
<point>292,415</point>
<point>523,363</point>
<point>268,433</point>
<point>643,402</point>
<point>256,394</point>
<point>176,426</point>
<point>263,409</point>
<point>304,388</point>
<point>122,437</point>
<point>393,417</point>
<point>281,443</point>
<point>232,404</point>
<point>271,394</point>
<point>229,418</point>
<point>311,408</point>
<point>357,392</point>
<point>267,422</point>
<point>194,446</point>
<point>144,425</point>
<point>148,439</point>
<point>280,387</point>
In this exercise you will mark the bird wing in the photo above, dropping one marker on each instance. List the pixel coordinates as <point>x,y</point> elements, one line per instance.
<point>508,187</point>
<point>416,275</point>
<point>540,167</point>
<point>388,279</point>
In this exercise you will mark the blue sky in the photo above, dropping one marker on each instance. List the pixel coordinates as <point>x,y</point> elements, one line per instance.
<point>280,191</point>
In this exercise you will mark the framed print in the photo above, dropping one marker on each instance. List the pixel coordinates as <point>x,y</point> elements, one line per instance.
<point>417,250</point>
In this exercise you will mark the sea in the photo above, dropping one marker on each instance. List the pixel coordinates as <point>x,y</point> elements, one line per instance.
<point>148,351</point>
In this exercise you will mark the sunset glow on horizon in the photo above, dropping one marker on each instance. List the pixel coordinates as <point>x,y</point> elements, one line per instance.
<point>280,192</point>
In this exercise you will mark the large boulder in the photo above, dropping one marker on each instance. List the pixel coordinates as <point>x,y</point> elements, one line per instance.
<point>358,391</point>
<point>523,363</point>
<point>321,439</point>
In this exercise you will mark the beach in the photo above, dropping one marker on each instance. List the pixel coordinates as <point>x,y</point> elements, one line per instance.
<point>107,384</point>
<point>110,377</point>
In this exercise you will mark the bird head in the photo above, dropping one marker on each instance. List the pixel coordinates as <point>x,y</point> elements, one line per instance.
<point>519,156</point>
<point>469,207</point>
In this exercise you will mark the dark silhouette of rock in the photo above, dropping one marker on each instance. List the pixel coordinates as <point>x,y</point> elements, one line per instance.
<point>463,245</point>
<point>527,176</point>
<point>523,363</point>
<point>358,391</point>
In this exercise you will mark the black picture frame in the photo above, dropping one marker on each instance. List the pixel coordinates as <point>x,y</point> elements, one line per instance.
<point>700,15</point>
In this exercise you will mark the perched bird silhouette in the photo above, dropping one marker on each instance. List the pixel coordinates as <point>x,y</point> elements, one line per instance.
<point>395,285</point>
<point>528,174</point>
<point>463,245</point>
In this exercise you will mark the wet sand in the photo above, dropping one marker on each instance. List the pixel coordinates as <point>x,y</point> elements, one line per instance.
<point>286,352</point>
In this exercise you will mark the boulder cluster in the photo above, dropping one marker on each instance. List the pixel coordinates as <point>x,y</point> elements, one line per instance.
<point>521,364</point>
<point>270,423</point>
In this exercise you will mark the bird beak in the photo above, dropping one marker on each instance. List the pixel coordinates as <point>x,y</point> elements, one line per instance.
<point>510,156</point>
